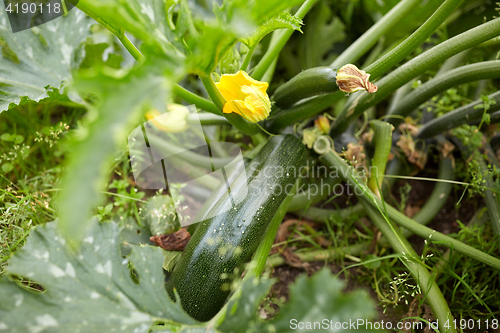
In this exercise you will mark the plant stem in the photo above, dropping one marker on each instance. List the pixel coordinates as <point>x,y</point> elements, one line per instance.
<point>311,197</point>
<point>416,39</point>
<point>119,33</point>
<point>372,35</point>
<point>130,47</point>
<point>318,104</point>
<point>332,159</point>
<point>324,215</point>
<point>490,197</point>
<point>189,156</point>
<point>412,69</point>
<point>236,120</point>
<point>302,111</point>
<point>246,61</point>
<point>204,179</point>
<point>258,262</point>
<point>457,117</point>
<point>200,102</point>
<point>183,93</point>
<point>457,76</point>
<point>213,92</point>
<point>439,194</point>
<point>322,255</point>
<point>268,75</point>
<point>382,140</point>
<point>207,119</point>
<point>274,49</point>
<point>452,62</point>
<point>409,257</point>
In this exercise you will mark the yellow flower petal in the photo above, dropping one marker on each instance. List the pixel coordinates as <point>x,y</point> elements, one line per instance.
<point>257,102</point>
<point>173,121</point>
<point>245,96</point>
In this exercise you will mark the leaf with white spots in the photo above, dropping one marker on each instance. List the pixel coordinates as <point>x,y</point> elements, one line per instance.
<point>88,291</point>
<point>39,58</point>
<point>120,98</point>
<point>321,297</point>
<point>201,32</point>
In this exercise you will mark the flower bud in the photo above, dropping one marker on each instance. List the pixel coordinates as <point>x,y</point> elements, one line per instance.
<point>322,124</point>
<point>351,79</point>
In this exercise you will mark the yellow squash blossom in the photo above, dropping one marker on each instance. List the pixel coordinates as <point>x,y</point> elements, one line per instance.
<point>174,121</point>
<point>245,96</point>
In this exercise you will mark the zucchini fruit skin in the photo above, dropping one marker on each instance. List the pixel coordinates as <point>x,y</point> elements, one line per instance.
<point>222,244</point>
<point>308,83</point>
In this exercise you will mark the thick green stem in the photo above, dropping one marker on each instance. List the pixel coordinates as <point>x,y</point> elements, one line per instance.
<point>189,156</point>
<point>275,49</point>
<point>416,39</point>
<point>382,140</point>
<point>200,102</point>
<point>207,119</point>
<point>246,61</point>
<point>302,111</point>
<point>119,33</point>
<point>268,75</point>
<point>457,117</point>
<point>409,257</point>
<point>332,159</point>
<point>236,120</point>
<point>452,62</point>
<point>491,198</point>
<point>314,194</point>
<point>213,92</point>
<point>372,35</point>
<point>324,215</point>
<point>322,255</point>
<point>318,104</point>
<point>414,68</point>
<point>130,47</point>
<point>195,173</point>
<point>461,75</point>
<point>439,194</point>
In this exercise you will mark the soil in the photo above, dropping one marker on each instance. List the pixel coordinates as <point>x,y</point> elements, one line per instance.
<point>445,222</point>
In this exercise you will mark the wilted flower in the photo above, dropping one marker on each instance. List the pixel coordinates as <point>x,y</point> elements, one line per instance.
<point>245,96</point>
<point>173,121</point>
<point>351,79</point>
<point>322,124</point>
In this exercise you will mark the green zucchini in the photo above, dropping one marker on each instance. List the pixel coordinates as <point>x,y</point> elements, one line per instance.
<point>308,83</point>
<point>222,244</point>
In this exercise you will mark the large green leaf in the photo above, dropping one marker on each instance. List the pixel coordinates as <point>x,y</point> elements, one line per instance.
<point>121,99</point>
<point>145,19</point>
<point>281,21</point>
<point>321,297</point>
<point>323,31</point>
<point>96,290</point>
<point>42,57</point>
<point>91,290</point>
<point>242,313</point>
<point>201,37</point>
